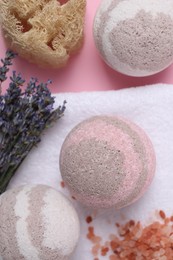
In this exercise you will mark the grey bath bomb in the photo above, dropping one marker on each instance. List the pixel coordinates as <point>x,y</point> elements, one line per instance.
<point>37,223</point>
<point>135,37</point>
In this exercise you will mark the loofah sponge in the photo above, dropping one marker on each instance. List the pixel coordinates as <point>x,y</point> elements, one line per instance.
<point>45,32</point>
<point>107,161</point>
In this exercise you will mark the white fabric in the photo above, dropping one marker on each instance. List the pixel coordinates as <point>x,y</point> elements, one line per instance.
<point>151,107</point>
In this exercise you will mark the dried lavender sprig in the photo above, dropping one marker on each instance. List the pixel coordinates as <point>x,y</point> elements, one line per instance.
<point>35,121</point>
<point>23,117</point>
<point>6,62</point>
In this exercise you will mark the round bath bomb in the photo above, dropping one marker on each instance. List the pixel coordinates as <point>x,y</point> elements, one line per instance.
<point>107,161</point>
<point>37,222</point>
<point>135,37</point>
<point>46,33</point>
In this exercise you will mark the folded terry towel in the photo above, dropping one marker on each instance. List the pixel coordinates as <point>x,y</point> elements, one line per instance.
<point>151,107</point>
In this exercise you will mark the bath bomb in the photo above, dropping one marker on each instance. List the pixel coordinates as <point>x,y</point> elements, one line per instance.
<point>135,37</point>
<point>37,222</point>
<point>46,33</point>
<point>107,161</point>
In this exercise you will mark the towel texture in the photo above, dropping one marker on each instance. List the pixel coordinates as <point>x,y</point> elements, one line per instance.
<point>151,107</point>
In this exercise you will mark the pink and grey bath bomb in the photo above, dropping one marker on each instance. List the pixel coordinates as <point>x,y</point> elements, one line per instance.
<point>37,223</point>
<point>135,37</point>
<point>107,161</point>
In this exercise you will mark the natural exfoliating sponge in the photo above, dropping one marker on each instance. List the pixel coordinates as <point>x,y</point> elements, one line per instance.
<point>37,222</point>
<point>43,32</point>
<point>107,161</point>
<point>135,37</point>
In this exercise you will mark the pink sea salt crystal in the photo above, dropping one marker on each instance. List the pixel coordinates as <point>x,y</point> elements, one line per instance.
<point>152,243</point>
<point>107,161</point>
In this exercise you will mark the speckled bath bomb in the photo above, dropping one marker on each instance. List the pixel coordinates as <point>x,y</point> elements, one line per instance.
<point>37,223</point>
<point>135,37</point>
<point>107,161</point>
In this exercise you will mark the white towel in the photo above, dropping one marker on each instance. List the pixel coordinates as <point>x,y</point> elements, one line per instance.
<point>151,107</point>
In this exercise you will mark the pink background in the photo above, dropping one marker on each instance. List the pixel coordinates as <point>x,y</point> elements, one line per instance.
<point>86,71</point>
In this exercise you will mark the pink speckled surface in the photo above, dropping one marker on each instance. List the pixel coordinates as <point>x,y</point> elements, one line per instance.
<point>86,71</point>
<point>125,137</point>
